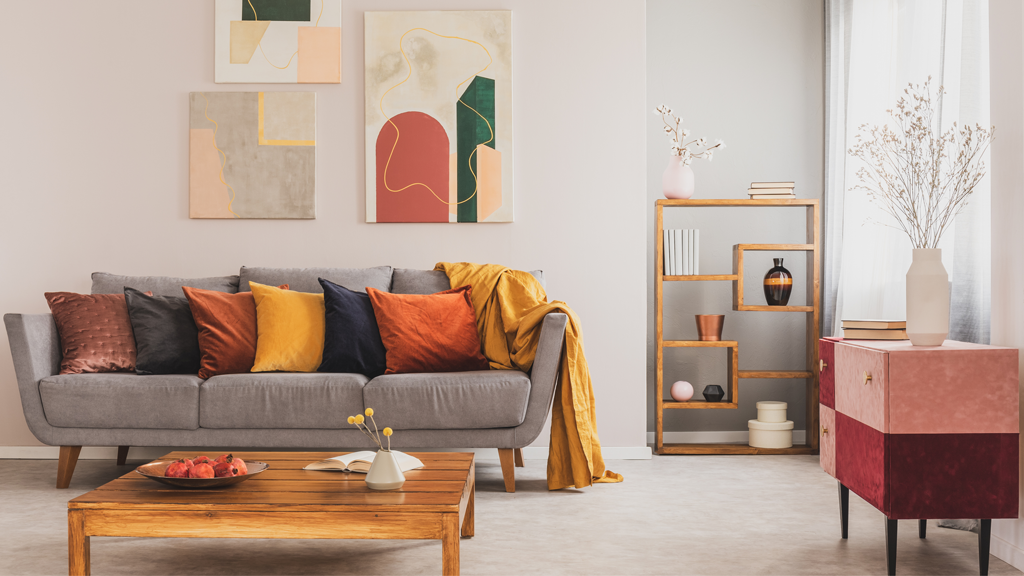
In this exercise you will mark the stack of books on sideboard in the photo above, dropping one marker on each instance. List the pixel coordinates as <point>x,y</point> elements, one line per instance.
<point>875,329</point>
<point>682,252</point>
<point>771,190</point>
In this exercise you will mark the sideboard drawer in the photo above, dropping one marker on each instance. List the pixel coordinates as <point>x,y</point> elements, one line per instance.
<point>827,373</point>
<point>862,460</point>
<point>827,439</point>
<point>862,385</point>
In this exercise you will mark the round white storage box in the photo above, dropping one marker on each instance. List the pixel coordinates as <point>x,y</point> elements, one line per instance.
<point>770,434</point>
<point>771,411</point>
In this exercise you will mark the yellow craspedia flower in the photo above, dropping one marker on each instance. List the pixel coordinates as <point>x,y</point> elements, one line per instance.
<point>388,431</point>
<point>351,419</point>
<point>360,419</point>
<point>369,411</point>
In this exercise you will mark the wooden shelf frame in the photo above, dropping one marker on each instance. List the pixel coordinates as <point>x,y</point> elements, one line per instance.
<point>810,375</point>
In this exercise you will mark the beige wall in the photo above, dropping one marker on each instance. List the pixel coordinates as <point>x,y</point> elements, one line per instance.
<point>94,170</point>
<point>1006,53</point>
<point>750,72</point>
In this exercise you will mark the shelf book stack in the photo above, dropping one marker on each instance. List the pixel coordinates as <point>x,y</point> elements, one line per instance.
<point>771,190</point>
<point>875,330</point>
<point>681,252</point>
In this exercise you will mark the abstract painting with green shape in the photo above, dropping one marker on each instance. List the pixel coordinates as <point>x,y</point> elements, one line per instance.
<point>474,120</point>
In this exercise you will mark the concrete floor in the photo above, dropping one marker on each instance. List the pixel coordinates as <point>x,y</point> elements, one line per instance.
<point>672,515</point>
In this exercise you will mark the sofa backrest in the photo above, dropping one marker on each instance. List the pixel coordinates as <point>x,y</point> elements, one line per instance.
<point>410,281</point>
<point>104,283</point>
<point>306,279</point>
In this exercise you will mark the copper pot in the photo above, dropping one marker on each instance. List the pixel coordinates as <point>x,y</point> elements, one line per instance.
<point>709,327</point>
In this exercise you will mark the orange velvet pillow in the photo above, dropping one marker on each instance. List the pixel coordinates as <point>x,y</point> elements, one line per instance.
<point>227,330</point>
<point>428,333</point>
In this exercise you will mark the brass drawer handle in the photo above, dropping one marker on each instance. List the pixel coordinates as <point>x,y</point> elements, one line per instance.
<point>822,365</point>
<point>867,377</point>
<point>824,430</point>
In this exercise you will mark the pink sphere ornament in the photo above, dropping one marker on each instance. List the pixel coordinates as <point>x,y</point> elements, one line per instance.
<point>681,391</point>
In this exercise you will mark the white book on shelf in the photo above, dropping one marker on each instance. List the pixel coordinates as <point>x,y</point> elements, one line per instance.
<point>677,258</point>
<point>665,247</point>
<point>696,251</point>
<point>686,252</point>
<point>689,249</point>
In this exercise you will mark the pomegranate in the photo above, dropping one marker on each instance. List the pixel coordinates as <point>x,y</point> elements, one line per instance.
<point>177,470</point>
<point>224,458</point>
<point>201,470</point>
<point>225,470</point>
<point>201,459</point>
<point>240,464</point>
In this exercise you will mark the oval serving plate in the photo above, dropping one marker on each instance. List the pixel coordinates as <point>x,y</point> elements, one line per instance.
<point>156,470</point>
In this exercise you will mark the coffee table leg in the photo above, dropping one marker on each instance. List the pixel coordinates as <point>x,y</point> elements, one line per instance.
<point>78,544</point>
<point>468,524</point>
<point>450,544</point>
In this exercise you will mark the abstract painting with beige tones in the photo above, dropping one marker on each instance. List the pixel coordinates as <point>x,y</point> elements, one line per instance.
<point>288,41</point>
<point>438,116</point>
<point>252,155</point>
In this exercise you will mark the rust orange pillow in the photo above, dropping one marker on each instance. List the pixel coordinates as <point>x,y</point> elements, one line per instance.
<point>227,330</point>
<point>428,333</point>
<point>95,332</point>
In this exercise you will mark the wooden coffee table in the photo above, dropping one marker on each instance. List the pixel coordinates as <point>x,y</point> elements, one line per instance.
<point>436,503</point>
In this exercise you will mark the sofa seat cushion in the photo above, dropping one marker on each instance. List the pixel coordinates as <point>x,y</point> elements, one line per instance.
<point>280,400</point>
<point>119,400</point>
<point>449,400</point>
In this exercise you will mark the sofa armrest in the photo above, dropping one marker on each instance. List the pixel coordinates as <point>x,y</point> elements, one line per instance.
<point>35,348</point>
<point>543,378</point>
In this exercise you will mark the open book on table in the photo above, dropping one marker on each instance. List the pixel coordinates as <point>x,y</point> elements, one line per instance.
<point>360,462</point>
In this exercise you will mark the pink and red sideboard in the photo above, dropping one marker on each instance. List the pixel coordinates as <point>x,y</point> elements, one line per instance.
<point>921,432</point>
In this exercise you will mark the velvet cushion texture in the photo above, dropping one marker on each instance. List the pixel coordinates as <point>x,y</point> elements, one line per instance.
<point>166,338</point>
<point>95,332</point>
<point>428,333</point>
<point>351,338</point>
<point>227,330</point>
<point>289,328</point>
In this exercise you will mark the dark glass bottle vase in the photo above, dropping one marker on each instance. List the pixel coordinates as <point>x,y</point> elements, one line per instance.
<point>778,284</point>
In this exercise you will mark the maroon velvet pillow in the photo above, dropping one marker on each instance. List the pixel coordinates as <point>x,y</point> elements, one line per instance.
<point>95,332</point>
<point>428,333</point>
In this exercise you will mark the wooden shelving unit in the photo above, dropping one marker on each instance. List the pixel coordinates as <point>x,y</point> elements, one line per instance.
<point>813,312</point>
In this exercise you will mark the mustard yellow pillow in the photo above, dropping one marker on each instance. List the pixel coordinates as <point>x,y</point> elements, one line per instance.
<point>289,329</point>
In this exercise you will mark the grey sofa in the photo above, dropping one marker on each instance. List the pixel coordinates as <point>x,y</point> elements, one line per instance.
<point>503,409</point>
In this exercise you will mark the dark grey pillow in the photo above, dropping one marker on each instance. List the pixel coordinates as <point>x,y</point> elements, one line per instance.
<point>166,337</point>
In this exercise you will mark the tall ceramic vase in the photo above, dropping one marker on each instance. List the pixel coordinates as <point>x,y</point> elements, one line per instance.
<point>927,299</point>
<point>385,473</point>
<point>677,181</point>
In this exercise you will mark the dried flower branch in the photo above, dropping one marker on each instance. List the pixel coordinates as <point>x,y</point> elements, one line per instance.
<point>678,135</point>
<point>920,176</point>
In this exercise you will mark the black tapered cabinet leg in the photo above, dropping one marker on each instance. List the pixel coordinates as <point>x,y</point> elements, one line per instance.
<point>890,545</point>
<point>844,510</point>
<point>922,528</point>
<point>984,540</point>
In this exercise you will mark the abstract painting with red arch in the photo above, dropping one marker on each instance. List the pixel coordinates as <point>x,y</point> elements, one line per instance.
<point>438,116</point>
<point>415,170</point>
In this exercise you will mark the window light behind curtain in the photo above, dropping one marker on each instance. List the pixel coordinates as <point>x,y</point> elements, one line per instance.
<point>874,49</point>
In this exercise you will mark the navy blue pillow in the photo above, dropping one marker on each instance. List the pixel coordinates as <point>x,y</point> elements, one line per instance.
<point>352,341</point>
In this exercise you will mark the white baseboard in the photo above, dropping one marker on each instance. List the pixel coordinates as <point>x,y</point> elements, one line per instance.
<point>150,453</point>
<point>1007,552</point>
<point>717,437</point>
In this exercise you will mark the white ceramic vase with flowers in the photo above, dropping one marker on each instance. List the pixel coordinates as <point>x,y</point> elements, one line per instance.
<point>677,181</point>
<point>385,473</point>
<point>922,177</point>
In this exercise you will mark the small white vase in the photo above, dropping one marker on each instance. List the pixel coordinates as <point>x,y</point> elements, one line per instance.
<point>677,181</point>
<point>927,298</point>
<point>385,473</point>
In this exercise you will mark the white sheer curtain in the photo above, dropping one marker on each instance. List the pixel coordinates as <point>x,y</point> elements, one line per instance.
<point>874,49</point>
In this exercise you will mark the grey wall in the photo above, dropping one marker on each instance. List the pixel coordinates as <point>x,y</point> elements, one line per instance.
<point>94,170</point>
<point>751,73</point>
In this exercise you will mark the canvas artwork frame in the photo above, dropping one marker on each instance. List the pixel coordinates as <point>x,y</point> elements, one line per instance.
<point>277,41</point>
<point>252,155</point>
<point>439,132</point>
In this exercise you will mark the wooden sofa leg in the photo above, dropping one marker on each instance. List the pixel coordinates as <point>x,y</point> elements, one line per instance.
<point>66,464</point>
<point>122,455</point>
<point>507,468</point>
<point>519,458</point>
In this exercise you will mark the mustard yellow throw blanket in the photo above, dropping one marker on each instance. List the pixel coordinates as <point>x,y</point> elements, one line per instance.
<point>510,308</point>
